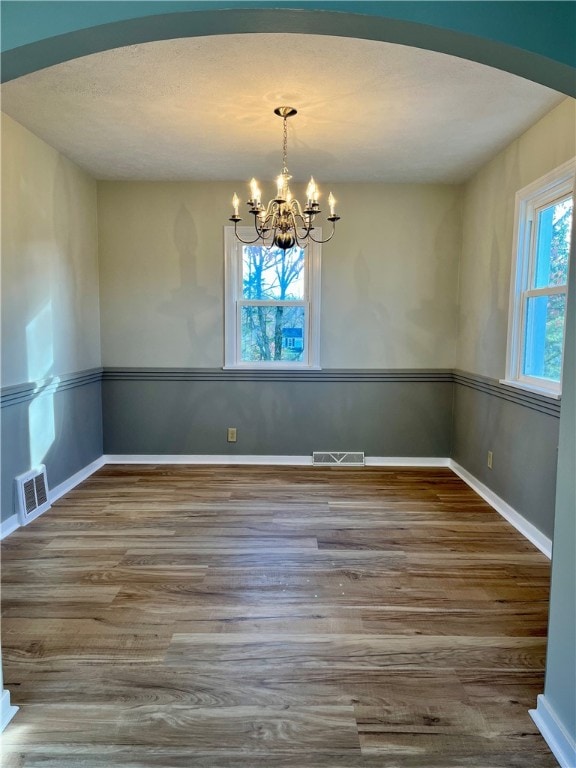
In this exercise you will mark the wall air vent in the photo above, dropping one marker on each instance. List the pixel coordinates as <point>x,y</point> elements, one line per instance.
<point>342,458</point>
<point>32,494</point>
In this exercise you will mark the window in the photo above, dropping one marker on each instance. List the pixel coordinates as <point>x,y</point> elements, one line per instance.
<point>544,213</point>
<point>272,304</point>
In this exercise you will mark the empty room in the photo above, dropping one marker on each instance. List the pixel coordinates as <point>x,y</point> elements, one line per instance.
<point>288,385</point>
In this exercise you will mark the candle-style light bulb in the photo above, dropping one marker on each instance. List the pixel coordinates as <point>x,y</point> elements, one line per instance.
<point>235,204</point>
<point>332,203</point>
<point>280,186</point>
<point>254,191</point>
<point>311,189</point>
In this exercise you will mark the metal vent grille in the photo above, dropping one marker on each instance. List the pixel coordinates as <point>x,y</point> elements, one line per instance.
<point>32,494</point>
<point>41,490</point>
<point>342,458</point>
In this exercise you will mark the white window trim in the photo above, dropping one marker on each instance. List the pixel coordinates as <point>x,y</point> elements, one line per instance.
<point>555,184</point>
<point>233,303</point>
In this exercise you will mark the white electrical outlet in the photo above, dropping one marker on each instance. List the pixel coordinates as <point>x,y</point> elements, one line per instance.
<point>489,460</point>
<point>231,434</point>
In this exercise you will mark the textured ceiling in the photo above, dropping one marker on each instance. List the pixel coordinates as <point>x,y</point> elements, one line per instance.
<point>202,108</point>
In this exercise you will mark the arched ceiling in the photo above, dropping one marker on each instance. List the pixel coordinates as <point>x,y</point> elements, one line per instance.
<point>201,108</point>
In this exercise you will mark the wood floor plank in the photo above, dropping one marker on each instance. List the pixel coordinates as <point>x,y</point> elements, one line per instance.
<point>134,757</point>
<point>356,651</point>
<point>293,686</point>
<point>248,617</point>
<point>259,730</point>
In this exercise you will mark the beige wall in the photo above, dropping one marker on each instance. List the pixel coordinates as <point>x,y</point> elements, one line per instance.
<point>488,224</point>
<point>50,313</point>
<point>389,277</point>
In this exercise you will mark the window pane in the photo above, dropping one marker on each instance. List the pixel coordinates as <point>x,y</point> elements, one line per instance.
<point>272,274</point>
<point>272,333</point>
<point>544,336</point>
<point>553,244</point>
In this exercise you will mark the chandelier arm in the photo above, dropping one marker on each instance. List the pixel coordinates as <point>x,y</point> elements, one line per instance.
<point>271,209</point>
<point>294,227</point>
<point>302,226</point>
<point>295,208</point>
<point>263,224</point>
<point>300,243</point>
<point>306,218</point>
<point>321,242</point>
<point>260,225</point>
<point>306,223</point>
<point>304,239</point>
<point>248,242</point>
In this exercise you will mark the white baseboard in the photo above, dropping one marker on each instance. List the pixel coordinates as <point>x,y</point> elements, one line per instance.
<point>194,458</point>
<point>227,459</point>
<point>76,479</point>
<point>7,710</point>
<point>12,523</point>
<point>556,736</point>
<point>9,526</point>
<point>406,461</point>
<point>542,542</point>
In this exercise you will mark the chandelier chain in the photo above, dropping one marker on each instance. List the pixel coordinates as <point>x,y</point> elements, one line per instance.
<point>285,147</point>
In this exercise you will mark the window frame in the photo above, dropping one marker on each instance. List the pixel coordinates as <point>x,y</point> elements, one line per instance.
<point>234,301</point>
<point>530,200</point>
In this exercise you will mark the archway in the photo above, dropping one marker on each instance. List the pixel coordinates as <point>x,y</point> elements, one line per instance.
<point>500,36</point>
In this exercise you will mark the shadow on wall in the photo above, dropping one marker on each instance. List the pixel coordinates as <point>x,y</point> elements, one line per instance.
<point>488,234</point>
<point>432,324</point>
<point>363,307</point>
<point>191,301</point>
<point>66,278</point>
<point>503,215</point>
<point>375,312</point>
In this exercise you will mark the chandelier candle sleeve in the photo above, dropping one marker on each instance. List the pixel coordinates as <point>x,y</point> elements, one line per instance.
<point>312,192</point>
<point>331,203</point>
<point>282,222</point>
<point>255,194</point>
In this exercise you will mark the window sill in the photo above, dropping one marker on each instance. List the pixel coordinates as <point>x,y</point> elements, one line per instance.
<point>533,389</point>
<point>271,367</point>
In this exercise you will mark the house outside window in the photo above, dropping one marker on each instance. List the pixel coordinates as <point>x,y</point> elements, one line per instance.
<point>272,304</point>
<point>292,338</point>
<point>543,226</point>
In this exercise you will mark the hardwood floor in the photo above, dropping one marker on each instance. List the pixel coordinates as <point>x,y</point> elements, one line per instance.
<point>273,617</point>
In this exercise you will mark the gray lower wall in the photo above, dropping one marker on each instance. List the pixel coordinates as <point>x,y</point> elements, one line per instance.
<point>275,413</point>
<point>58,423</point>
<point>521,430</point>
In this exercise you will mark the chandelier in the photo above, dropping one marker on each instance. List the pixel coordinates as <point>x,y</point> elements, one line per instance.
<point>283,222</point>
